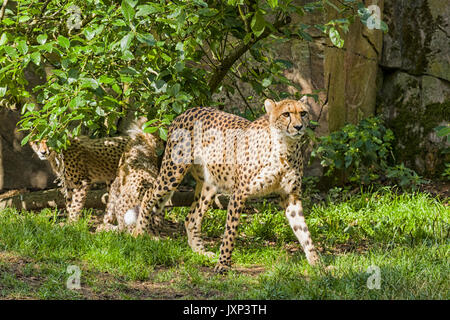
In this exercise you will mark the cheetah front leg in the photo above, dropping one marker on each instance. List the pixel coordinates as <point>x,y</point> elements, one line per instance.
<point>294,214</point>
<point>76,203</point>
<point>194,219</point>
<point>111,207</point>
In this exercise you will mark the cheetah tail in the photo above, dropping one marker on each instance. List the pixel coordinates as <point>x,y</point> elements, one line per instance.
<point>135,128</point>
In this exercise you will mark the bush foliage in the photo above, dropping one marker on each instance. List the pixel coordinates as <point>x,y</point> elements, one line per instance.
<point>101,60</point>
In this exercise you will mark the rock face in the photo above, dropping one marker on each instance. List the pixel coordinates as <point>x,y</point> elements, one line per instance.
<point>19,166</point>
<point>418,38</point>
<point>415,93</point>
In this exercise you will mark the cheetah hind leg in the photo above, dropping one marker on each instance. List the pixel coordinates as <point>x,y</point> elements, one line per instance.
<point>151,215</point>
<point>203,195</point>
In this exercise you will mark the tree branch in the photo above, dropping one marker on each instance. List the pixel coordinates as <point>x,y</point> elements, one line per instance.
<point>2,10</point>
<point>234,55</point>
<point>44,7</point>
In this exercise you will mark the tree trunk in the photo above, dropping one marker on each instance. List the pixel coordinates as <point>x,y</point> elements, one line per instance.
<point>53,198</point>
<point>351,72</point>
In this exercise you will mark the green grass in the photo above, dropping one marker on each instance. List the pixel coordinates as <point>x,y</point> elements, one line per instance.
<point>405,235</point>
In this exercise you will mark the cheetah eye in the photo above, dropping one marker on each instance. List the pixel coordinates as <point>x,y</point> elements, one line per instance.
<point>286,114</point>
<point>303,113</point>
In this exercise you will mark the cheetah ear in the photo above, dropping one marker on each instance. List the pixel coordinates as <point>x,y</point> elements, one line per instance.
<point>304,100</point>
<point>269,105</point>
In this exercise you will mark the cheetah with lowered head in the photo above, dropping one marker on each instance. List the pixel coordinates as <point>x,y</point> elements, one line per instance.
<point>137,172</point>
<point>232,155</point>
<point>85,161</point>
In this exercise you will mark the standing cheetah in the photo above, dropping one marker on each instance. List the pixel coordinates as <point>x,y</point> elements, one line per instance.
<point>85,161</point>
<point>232,155</point>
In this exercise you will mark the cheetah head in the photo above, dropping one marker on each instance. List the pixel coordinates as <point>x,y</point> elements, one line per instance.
<point>41,149</point>
<point>289,117</point>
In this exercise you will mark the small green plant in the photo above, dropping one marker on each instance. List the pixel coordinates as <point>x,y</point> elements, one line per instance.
<point>444,131</point>
<point>404,177</point>
<point>356,153</point>
<point>446,173</point>
<point>361,154</point>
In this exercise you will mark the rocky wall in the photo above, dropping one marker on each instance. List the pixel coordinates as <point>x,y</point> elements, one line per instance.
<point>414,95</point>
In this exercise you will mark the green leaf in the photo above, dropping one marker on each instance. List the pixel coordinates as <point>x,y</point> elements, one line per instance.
<point>23,19</point>
<point>166,57</point>
<point>266,82</point>
<point>36,58</point>
<point>174,89</point>
<point>207,12</point>
<point>163,133</point>
<point>42,38</point>
<point>235,2</point>
<point>333,6</point>
<point>305,35</point>
<point>126,41</point>
<point>3,91</point>
<point>89,83</point>
<point>443,131</point>
<point>22,47</point>
<point>3,39</point>
<point>10,51</point>
<point>127,55</point>
<point>25,140</point>
<point>8,21</point>
<point>127,10</point>
<point>147,9</point>
<point>146,38</point>
<point>89,33</point>
<point>286,63</point>
<point>100,111</point>
<point>273,3</point>
<point>63,42</point>
<point>116,88</point>
<point>335,37</point>
<point>177,107</point>
<point>46,47</point>
<point>106,80</point>
<point>384,27</point>
<point>258,23</point>
<point>150,129</point>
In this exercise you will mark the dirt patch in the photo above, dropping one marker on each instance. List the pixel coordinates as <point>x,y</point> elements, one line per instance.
<point>97,285</point>
<point>12,263</point>
<point>439,189</point>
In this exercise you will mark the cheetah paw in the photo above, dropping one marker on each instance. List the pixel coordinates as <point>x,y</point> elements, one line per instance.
<point>136,233</point>
<point>221,269</point>
<point>208,254</point>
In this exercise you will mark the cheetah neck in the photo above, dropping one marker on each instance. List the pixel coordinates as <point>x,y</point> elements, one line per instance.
<point>57,163</point>
<point>285,144</point>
